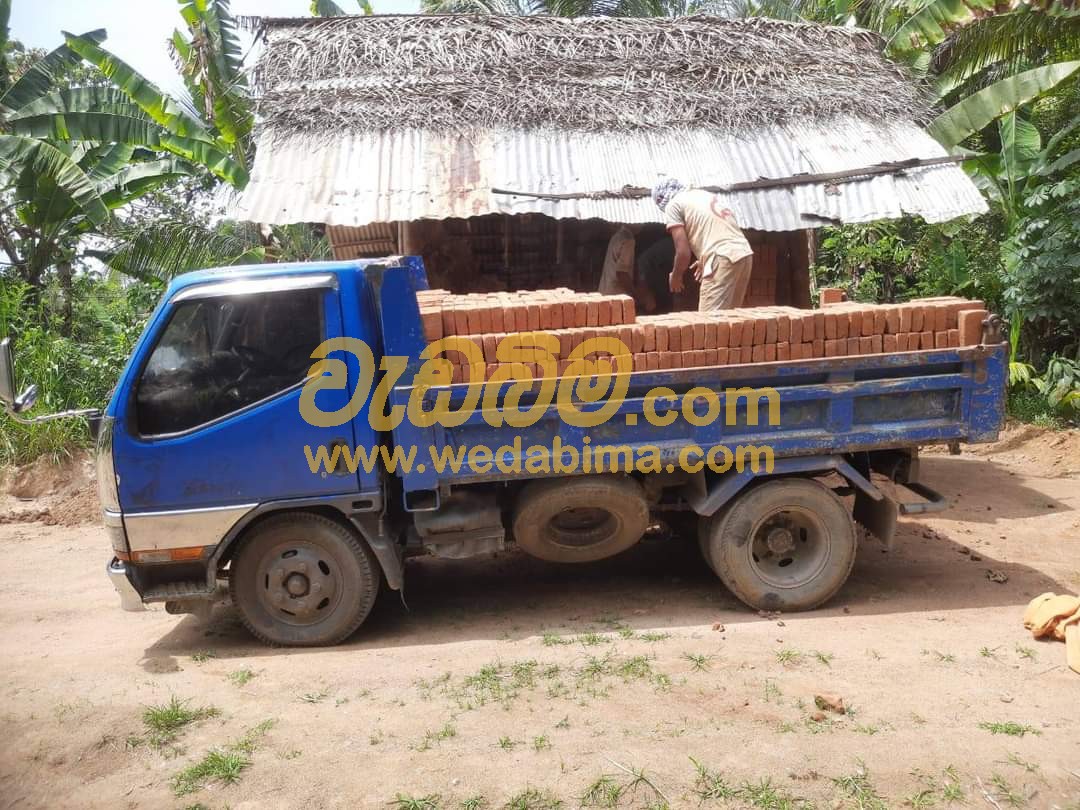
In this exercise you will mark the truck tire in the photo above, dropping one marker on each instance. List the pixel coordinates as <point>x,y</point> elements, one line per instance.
<point>786,544</point>
<point>580,519</point>
<point>303,580</point>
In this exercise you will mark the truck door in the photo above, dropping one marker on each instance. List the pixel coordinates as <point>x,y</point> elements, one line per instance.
<point>208,421</point>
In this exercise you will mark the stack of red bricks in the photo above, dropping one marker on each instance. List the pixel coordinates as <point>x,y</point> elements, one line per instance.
<point>695,339</point>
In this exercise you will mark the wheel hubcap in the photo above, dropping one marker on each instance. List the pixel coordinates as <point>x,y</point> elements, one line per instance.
<point>789,547</point>
<point>299,582</point>
<point>580,526</point>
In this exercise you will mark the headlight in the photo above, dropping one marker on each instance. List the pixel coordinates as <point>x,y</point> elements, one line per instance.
<point>107,489</point>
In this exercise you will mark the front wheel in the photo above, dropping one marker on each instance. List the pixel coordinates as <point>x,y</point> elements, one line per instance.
<point>786,544</point>
<point>303,580</point>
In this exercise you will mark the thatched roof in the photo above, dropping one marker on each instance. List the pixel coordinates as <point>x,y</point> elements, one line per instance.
<point>463,73</point>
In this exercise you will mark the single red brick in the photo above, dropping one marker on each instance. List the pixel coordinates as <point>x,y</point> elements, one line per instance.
<point>970,323</point>
<point>652,360</point>
<point>723,332</point>
<point>662,334</point>
<point>891,344</point>
<point>711,333</point>
<point>700,331</point>
<point>761,328</point>
<point>674,337</point>
<point>866,345</point>
<point>723,355</point>
<point>711,357</point>
<point>875,344</point>
<point>954,338</point>
<point>892,320</point>
<point>879,320</point>
<point>746,354</point>
<point>783,351</point>
<point>433,325</point>
<point>757,354</point>
<point>521,318</point>
<point>854,327</point>
<point>649,330</point>
<point>904,316</point>
<point>490,344</point>
<point>592,317</point>
<point>926,340</point>
<point>941,318</point>
<point>640,363</point>
<point>819,343</point>
<point>581,314</point>
<point>941,339</point>
<point>686,335</point>
<point>796,327</point>
<point>534,317</point>
<point>735,330</point>
<point>629,310</point>
<point>783,328</point>
<point>770,352</point>
<point>917,318</point>
<point>831,295</point>
<point>853,345</point>
<point>819,332</point>
<point>830,329</point>
<point>448,321</point>
<point>833,346</point>
<point>866,324</point>
<point>667,360</point>
<point>603,312</point>
<point>637,338</point>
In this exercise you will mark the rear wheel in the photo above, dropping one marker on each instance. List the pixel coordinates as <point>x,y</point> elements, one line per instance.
<point>580,519</point>
<point>303,580</point>
<point>787,544</point>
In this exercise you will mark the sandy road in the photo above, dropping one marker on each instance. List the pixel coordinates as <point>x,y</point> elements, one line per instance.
<point>511,674</point>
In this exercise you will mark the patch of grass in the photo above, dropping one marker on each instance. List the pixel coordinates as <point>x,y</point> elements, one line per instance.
<point>1030,767</point>
<point>433,738</point>
<point>944,658</point>
<point>533,799</point>
<point>564,723</point>
<point>474,803</point>
<point>314,697</point>
<point>506,744</point>
<point>1010,728</point>
<point>223,765</point>
<point>626,632</point>
<point>593,639</point>
<point>555,640</point>
<point>163,722</point>
<point>241,677</point>
<point>699,663</point>
<point>495,683</point>
<point>635,667</point>
<point>403,801</point>
<point>788,657</point>
<point>605,791</point>
<point>1004,792</point>
<point>541,743</point>
<point>786,727</point>
<point>767,796</point>
<point>1026,653</point>
<point>989,652</point>
<point>710,785</point>
<point>653,636</point>
<point>202,656</point>
<point>927,797</point>
<point>772,691</point>
<point>823,657</point>
<point>858,787</point>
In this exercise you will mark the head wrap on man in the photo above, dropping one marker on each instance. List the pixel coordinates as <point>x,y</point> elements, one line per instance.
<point>665,190</point>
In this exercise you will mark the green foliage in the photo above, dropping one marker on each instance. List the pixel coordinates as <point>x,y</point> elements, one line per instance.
<point>77,370</point>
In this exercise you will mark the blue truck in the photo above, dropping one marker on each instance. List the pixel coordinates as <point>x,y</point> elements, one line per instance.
<point>206,479</point>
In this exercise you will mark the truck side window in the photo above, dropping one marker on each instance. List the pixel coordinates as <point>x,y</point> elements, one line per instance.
<point>219,355</point>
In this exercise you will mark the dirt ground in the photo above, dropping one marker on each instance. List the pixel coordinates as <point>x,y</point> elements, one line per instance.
<point>527,683</point>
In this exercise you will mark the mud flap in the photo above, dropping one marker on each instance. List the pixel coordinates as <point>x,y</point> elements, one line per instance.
<point>879,517</point>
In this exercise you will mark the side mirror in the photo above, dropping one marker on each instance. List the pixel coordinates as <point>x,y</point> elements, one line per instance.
<point>7,374</point>
<point>15,403</point>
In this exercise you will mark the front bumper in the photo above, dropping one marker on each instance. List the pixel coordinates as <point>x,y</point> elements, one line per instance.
<point>129,597</point>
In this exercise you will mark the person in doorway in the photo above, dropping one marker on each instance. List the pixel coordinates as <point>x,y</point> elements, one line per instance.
<point>654,268</point>
<point>701,229</point>
<point>618,273</point>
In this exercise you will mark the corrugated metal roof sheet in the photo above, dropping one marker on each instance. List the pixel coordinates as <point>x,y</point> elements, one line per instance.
<point>354,180</point>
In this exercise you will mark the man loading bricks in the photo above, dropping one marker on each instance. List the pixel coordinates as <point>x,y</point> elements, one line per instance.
<point>702,229</point>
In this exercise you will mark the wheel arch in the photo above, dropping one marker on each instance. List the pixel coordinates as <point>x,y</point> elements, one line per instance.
<point>367,526</point>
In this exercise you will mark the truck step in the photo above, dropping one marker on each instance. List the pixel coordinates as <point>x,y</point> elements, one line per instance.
<point>176,590</point>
